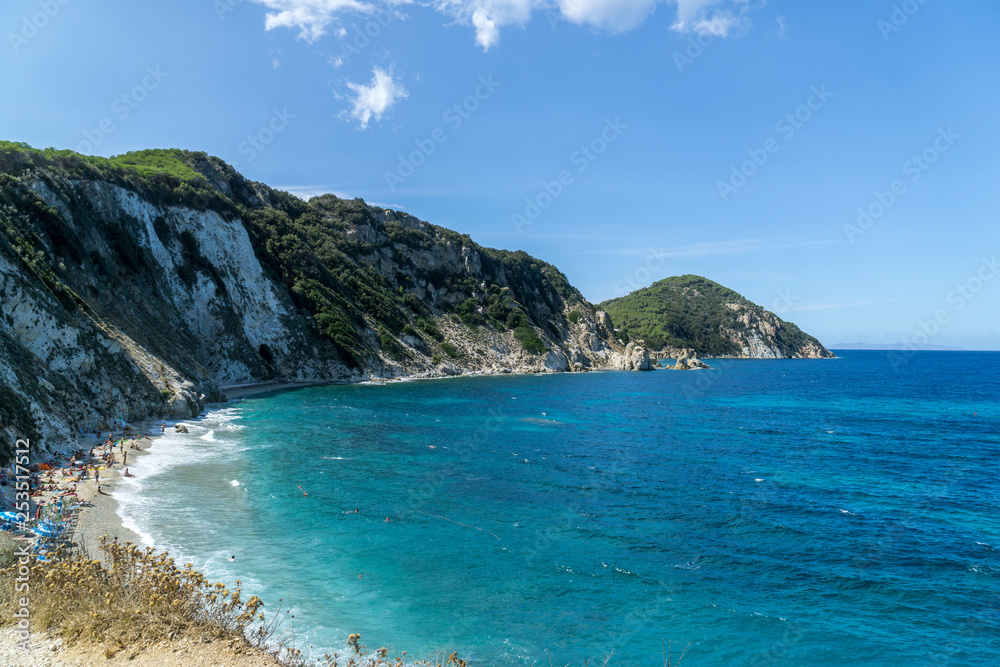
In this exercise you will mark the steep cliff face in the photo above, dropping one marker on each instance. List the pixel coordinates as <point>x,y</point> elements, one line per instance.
<point>691,315</point>
<point>137,287</point>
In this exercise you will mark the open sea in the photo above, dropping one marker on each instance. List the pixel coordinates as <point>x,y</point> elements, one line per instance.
<point>836,512</point>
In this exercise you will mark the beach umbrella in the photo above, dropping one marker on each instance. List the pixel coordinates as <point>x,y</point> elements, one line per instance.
<point>47,530</point>
<point>49,523</point>
<point>10,516</point>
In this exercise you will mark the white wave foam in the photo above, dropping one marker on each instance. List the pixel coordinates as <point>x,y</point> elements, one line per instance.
<point>168,451</point>
<point>129,524</point>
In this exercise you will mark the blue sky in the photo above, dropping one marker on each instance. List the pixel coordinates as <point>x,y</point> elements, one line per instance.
<point>622,140</point>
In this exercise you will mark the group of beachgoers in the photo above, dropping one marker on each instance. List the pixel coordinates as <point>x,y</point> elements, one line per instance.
<point>60,475</point>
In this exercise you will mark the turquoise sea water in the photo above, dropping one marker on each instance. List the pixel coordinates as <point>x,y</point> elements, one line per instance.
<point>841,512</point>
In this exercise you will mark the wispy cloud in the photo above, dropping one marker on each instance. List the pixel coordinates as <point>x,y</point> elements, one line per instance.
<point>307,192</point>
<point>782,25</point>
<point>719,18</point>
<point>376,98</point>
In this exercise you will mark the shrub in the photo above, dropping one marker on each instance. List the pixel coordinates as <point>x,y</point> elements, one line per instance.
<point>449,349</point>
<point>388,343</point>
<point>136,599</point>
<point>529,339</point>
<point>139,598</point>
<point>468,312</point>
<point>429,328</point>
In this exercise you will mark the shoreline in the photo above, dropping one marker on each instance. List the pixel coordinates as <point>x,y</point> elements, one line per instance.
<point>237,391</point>
<point>101,517</point>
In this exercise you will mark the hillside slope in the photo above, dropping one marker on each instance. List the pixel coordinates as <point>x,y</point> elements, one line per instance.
<point>693,313</point>
<point>137,286</point>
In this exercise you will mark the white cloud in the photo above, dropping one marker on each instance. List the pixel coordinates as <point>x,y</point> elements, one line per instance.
<point>708,17</point>
<point>311,17</point>
<point>488,16</point>
<point>718,25</point>
<point>689,10</point>
<point>375,98</point>
<point>705,17</point>
<point>487,30</point>
<point>612,15</point>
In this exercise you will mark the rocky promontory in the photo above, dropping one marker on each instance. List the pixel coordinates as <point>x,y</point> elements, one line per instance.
<point>689,316</point>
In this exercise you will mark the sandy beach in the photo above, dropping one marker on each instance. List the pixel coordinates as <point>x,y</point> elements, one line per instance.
<point>102,517</point>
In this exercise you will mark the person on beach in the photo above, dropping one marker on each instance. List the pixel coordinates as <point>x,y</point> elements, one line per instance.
<point>128,474</point>
<point>124,458</point>
<point>163,428</point>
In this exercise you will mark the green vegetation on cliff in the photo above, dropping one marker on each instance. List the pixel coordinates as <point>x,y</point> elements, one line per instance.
<point>694,312</point>
<point>330,254</point>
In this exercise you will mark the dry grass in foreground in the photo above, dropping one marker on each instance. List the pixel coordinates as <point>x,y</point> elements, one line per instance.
<point>135,601</point>
<point>139,598</point>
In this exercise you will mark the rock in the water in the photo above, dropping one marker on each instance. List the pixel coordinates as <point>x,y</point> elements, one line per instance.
<point>635,357</point>
<point>181,428</point>
<point>688,362</point>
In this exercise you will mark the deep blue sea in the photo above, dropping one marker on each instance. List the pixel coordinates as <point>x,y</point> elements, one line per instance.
<point>837,512</point>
